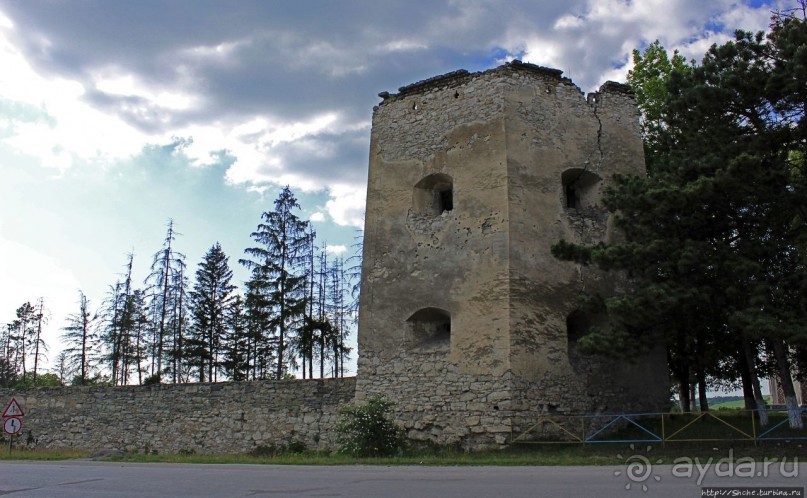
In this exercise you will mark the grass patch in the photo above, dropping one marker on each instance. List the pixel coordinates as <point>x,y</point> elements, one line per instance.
<point>522,455</point>
<point>40,454</point>
<point>736,404</point>
<point>509,457</point>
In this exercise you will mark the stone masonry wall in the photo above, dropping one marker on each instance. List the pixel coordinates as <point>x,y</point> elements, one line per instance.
<point>204,418</point>
<point>436,401</point>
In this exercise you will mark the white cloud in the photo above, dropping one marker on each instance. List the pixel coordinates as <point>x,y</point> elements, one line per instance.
<point>318,216</point>
<point>5,22</point>
<point>568,21</point>
<point>336,249</point>
<point>127,85</point>
<point>257,146</point>
<point>403,46</point>
<point>346,205</point>
<point>76,126</point>
<point>220,52</point>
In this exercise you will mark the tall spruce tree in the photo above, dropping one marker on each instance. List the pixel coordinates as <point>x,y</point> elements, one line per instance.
<point>210,299</point>
<point>261,340</point>
<point>236,342</point>
<point>278,265</point>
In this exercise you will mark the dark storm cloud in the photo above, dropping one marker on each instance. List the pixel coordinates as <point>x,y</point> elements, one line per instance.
<point>289,58</point>
<point>331,157</point>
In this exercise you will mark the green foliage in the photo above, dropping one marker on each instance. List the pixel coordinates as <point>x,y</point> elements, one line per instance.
<point>152,380</point>
<point>279,280</point>
<point>8,374</point>
<point>42,380</point>
<point>81,339</point>
<point>294,447</point>
<point>97,380</point>
<point>211,298</point>
<point>648,80</point>
<point>367,430</point>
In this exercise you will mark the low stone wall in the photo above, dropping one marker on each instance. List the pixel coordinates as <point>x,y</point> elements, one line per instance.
<point>204,418</point>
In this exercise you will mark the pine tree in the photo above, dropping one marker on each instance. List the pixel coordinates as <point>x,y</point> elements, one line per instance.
<point>81,340</point>
<point>236,343</point>
<point>210,298</point>
<point>8,366</point>
<point>164,287</point>
<point>278,264</point>
<point>177,325</point>
<point>21,331</point>
<point>340,314</point>
<point>141,332</point>
<point>38,345</point>
<point>62,367</point>
<point>261,340</point>
<point>303,344</point>
<point>123,315</point>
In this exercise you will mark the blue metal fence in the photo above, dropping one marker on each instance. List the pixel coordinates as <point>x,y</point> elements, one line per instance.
<point>718,425</point>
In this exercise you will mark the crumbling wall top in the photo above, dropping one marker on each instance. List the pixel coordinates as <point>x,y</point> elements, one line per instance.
<point>461,76</point>
<point>535,68</point>
<point>435,81</point>
<point>613,86</point>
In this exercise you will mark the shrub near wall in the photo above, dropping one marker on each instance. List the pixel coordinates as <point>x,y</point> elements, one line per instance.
<point>205,418</point>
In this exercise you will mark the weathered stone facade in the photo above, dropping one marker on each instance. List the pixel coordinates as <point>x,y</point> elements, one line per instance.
<point>202,418</point>
<point>467,320</point>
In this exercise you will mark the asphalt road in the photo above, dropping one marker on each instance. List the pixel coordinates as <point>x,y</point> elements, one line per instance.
<point>80,478</point>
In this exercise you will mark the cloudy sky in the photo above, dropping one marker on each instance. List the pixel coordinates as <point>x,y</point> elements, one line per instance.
<point>118,115</point>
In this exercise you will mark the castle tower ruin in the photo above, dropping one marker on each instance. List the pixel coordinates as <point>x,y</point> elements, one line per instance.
<point>467,321</point>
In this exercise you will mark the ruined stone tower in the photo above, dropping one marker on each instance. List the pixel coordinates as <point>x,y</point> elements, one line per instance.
<point>467,322</point>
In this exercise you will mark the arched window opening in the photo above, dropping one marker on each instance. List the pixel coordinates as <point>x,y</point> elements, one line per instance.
<point>434,195</point>
<point>430,328</point>
<point>579,188</point>
<point>577,325</point>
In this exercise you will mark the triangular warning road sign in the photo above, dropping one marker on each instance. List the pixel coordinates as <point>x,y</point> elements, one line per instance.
<point>13,409</point>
